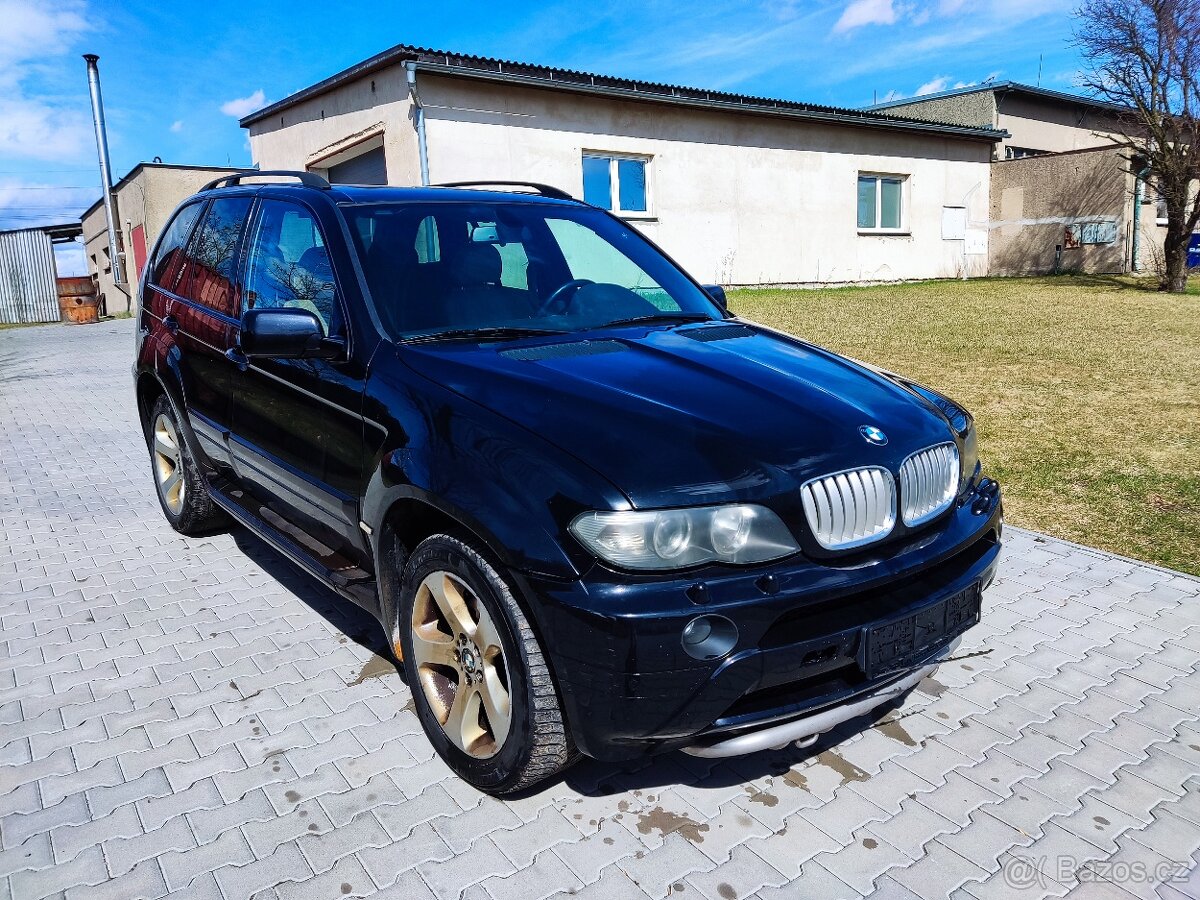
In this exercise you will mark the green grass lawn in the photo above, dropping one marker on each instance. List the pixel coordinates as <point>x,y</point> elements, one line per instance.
<point>1086,391</point>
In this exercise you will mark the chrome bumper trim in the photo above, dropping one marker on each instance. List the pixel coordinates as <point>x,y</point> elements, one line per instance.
<point>800,730</point>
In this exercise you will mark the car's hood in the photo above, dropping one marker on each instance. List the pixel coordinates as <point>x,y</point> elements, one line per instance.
<point>691,414</point>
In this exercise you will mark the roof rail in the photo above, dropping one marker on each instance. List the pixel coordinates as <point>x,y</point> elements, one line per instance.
<point>545,190</point>
<point>306,178</point>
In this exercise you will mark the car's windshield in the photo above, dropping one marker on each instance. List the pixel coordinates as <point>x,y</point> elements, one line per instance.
<point>455,268</point>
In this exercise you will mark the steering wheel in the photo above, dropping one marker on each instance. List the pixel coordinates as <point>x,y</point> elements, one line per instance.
<point>559,292</point>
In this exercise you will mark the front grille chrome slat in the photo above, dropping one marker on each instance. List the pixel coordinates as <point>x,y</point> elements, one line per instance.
<point>928,483</point>
<point>852,508</point>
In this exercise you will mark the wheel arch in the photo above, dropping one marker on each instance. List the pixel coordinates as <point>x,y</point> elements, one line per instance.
<point>149,386</point>
<point>147,389</point>
<point>407,521</point>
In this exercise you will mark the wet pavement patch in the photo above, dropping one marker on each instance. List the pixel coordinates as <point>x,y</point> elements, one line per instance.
<point>665,822</point>
<point>893,729</point>
<point>757,796</point>
<point>848,770</point>
<point>375,667</point>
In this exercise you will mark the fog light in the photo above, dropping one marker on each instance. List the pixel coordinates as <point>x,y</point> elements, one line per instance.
<point>709,637</point>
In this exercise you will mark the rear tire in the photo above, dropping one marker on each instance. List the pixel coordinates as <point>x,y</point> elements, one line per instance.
<point>470,656</point>
<point>181,489</point>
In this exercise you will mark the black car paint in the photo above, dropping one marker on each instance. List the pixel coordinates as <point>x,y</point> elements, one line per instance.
<point>511,450</point>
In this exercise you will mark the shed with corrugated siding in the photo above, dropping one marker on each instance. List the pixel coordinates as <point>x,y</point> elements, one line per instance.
<point>28,289</point>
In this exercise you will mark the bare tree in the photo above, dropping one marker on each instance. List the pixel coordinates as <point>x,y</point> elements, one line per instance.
<point>1144,55</point>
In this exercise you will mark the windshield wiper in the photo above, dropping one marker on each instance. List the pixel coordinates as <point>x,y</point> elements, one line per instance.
<point>494,332</point>
<point>661,317</point>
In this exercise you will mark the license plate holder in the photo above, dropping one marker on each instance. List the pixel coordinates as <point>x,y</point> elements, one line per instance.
<point>895,644</point>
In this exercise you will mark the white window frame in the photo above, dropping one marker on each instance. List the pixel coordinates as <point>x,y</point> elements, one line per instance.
<point>879,176</point>
<point>614,183</point>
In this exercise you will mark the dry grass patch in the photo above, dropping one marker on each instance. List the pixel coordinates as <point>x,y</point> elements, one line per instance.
<point>1086,391</point>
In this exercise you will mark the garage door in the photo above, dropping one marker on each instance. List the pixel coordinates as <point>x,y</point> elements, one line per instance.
<point>368,168</point>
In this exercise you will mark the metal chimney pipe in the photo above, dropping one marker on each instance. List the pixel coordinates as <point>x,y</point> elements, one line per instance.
<point>110,217</point>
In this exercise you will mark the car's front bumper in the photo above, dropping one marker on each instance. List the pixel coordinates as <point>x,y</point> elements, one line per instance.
<point>808,728</point>
<point>629,688</point>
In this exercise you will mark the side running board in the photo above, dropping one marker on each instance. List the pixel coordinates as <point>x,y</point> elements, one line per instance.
<point>298,546</point>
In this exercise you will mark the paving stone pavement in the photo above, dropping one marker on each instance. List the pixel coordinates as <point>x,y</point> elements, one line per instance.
<point>196,717</point>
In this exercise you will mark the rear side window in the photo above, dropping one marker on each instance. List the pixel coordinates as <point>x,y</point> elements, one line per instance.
<point>288,264</point>
<point>212,255</point>
<point>169,261</point>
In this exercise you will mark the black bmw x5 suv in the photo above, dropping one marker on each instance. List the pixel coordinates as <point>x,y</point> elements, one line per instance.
<point>593,509</point>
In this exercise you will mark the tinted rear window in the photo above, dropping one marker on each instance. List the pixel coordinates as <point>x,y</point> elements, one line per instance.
<point>169,261</point>
<point>212,255</point>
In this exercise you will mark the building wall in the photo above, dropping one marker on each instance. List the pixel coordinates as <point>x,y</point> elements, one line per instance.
<point>334,126</point>
<point>977,109</point>
<point>1034,123</point>
<point>736,198</point>
<point>1036,199</point>
<point>1051,126</point>
<point>145,198</point>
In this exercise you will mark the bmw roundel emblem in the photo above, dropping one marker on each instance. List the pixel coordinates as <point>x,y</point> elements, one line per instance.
<point>873,435</point>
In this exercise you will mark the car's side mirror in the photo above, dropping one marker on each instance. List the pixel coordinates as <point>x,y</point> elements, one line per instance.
<point>287,334</point>
<point>718,293</point>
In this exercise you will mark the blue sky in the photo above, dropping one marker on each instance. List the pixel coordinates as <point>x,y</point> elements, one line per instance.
<point>177,74</point>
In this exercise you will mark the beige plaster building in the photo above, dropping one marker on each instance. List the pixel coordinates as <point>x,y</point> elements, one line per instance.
<point>1037,120</point>
<point>740,190</point>
<point>1064,196</point>
<point>144,200</point>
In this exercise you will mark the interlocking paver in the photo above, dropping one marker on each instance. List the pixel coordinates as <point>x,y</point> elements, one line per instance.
<point>187,714</point>
<point>70,840</point>
<point>182,867</point>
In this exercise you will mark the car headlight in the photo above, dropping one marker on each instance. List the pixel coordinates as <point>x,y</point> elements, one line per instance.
<point>969,456</point>
<point>960,419</point>
<point>963,424</point>
<point>677,538</point>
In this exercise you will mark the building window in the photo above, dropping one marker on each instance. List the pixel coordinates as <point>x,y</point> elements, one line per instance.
<point>1011,152</point>
<point>881,202</point>
<point>617,183</point>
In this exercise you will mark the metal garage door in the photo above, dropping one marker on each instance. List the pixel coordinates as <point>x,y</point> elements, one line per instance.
<point>368,168</point>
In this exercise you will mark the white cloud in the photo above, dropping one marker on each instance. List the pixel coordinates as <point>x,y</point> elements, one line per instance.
<point>27,204</point>
<point>34,29</point>
<point>891,95</point>
<point>36,130</point>
<point>866,12</point>
<point>33,126</point>
<point>177,126</point>
<point>963,84</point>
<point>69,259</point>
<point>243,106</point>
<point>934,86</point>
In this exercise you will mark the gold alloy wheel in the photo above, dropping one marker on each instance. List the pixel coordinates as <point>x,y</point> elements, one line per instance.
<point>168,464</point>
<point>460,664</point>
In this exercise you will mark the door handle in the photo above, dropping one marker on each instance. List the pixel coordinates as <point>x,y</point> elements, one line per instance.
<point>171,324</point>
<point>237,357</point>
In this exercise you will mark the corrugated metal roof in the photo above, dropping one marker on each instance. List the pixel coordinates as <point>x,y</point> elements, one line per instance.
<point>28,290</point>
<point>490,68</point>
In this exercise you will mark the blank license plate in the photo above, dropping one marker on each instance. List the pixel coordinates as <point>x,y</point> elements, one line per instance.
<point>900,642</point>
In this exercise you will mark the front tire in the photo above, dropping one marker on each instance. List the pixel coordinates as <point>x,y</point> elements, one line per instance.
<point>481,685</point>
<point>181,489</point>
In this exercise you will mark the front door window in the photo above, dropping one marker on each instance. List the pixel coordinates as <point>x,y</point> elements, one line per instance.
<point>289,266</point>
